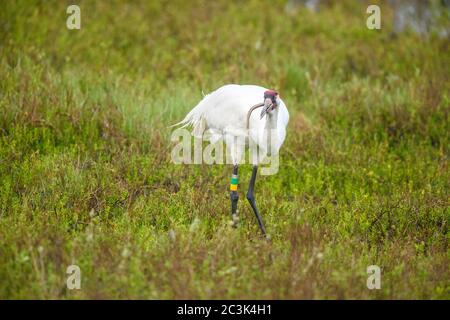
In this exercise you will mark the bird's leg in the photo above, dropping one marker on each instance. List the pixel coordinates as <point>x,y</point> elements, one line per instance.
<point>234,194</point>
<point>251,199</point>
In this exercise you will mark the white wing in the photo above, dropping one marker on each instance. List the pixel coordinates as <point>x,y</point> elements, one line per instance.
<point>224,111</point>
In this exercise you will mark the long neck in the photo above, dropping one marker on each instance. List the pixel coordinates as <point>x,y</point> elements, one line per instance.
<point>271,132</point>
<point>272,119</point>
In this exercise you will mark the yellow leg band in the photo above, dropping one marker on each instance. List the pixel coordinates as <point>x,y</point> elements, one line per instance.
<point>233,187</point>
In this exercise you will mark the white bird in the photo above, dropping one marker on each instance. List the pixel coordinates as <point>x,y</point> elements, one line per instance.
<point>227,113</point>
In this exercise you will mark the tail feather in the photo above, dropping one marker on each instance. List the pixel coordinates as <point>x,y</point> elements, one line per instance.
<point>190,120</point>
<point>195,118</point>
<point>184,123</point>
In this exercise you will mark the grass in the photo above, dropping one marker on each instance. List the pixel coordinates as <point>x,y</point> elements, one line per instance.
<point>86,176</point>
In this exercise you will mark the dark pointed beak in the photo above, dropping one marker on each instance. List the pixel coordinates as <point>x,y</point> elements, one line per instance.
<point>267,107</point>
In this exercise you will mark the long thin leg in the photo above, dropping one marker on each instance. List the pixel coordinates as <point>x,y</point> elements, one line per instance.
<point>234,196</point>
<point>251,199</point>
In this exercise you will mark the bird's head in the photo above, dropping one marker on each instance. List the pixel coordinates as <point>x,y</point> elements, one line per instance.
<point>271,100</point>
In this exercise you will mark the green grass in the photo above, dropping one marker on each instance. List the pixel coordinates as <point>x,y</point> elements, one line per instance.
<point>86,176</point>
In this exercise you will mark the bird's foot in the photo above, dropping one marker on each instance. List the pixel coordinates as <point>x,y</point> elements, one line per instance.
<point>234,220</point>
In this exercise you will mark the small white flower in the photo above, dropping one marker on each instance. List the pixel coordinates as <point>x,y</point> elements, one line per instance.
<point>125,253</point>
<point>258,44</point>
<point>172,235</point>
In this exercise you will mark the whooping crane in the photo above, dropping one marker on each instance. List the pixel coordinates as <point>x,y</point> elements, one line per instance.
<point>227,113</point>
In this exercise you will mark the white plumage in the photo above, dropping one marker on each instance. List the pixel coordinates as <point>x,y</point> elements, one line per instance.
<point>223,114</point>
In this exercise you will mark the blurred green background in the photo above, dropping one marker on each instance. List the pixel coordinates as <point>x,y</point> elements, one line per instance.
<point>86,176</point>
